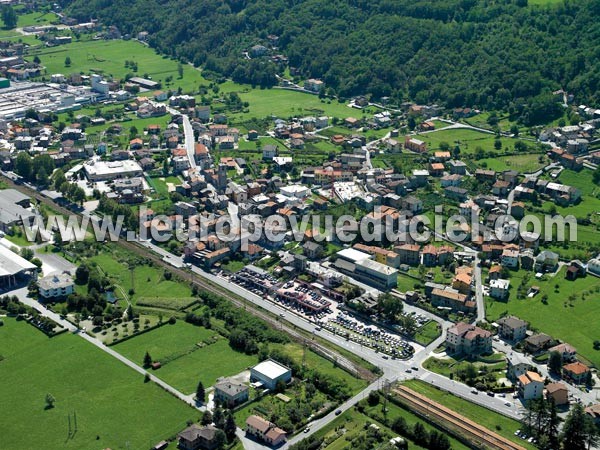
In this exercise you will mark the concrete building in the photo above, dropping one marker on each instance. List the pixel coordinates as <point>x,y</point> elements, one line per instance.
<point>196,437</point>
<point>558,392</point>
<point>59,285</point>
<point>110,170</point>
<point>230,393</point>
<point>269,373</point>
<point>530,385</point>
<point>467,339</point>
<point>516,365</point>
<point>499,289</point>
<point>512,328</point>
<point>265,431</point>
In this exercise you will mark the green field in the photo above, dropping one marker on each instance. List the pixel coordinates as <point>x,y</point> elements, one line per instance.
<point>114,407</point>
<point>574,320</point>
<point>467,139</point>
<point>186,362</point>
<point>427,333</point>
<point>523,163</point>
<point>285,103</point>
<point>108,58</point>
<point>479,414</point>
<point>148,281</point>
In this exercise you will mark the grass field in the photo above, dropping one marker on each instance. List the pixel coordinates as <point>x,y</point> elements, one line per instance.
<point>315,361</point>
<point>108,58</point>
<point>186,362</point>
<point>523,163</point>
<point>575,321</point>
<point>284,103</point>
<point>148,281</point>
<point>467,139</point>
<point>114,407</point>
<point>427,333</point>
<point>479,414</point>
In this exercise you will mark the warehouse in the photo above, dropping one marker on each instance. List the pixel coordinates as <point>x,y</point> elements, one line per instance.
<point>268,373</point>
<point>110,170</point>
<point>14,269</point>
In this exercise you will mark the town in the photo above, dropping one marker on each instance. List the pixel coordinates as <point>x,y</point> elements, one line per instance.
<point>309,340</point>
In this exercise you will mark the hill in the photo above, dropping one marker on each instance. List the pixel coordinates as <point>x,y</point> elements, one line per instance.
<point>489,54</point>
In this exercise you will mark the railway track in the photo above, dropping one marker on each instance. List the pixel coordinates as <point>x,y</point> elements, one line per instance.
<point>209,287</point>
<point>472,431</point>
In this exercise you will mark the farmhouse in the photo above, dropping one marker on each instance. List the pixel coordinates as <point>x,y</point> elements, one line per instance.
<point>265,431</point>
<point>196,437</point>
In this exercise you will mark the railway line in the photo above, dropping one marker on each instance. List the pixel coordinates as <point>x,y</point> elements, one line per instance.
<point>206,286</point>
<point>472,431</point>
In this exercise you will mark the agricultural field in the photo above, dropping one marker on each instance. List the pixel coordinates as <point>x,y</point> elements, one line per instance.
<point>86,382</point>
<point>575,302</point>
<point>108,58</point>
<point>188,354</point>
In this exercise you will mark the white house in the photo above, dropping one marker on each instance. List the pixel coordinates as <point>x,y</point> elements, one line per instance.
<point>530,385</point>
<point>57,285</point>
<point>499,289</point>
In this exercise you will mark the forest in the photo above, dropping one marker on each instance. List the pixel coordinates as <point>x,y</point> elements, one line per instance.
<point>478,53</point>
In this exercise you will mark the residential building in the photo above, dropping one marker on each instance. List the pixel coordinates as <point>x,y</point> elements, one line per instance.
<point>510,258</point>
<point>537,342</point>
<point>265,431</point>
<point>516,365</point>
<point>567,352</point>
<point>558,392</point>
<point>576,372</point>
<point>467,339</point>
<point>530,385</point>
<point>230,393</point>
<point>499,289</point>
<point>196,437</point>
<point>59,285</point>
<point>512,328</point>
<point>409,254</point>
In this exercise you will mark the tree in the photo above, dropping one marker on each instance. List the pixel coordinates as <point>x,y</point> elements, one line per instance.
<point>578,430</point>
<point>50,400</point>
<point>82,274</point>
<point>42,177</point>
<point>229,427</point>
<point>68,61</point>
<point>23,165</point>
<point>36,59</point>
<point>147,360</point>
<point>219,417</point>
<point>555,362</point>
<point>596,176</point>
<point>9,17</point>
<point>220,439</point>
<point>373,398</point>
<point>180,70</point>
<point>390,306</point>
<point>207,418</point>
<point>420,435</point>
<point>200,394</point>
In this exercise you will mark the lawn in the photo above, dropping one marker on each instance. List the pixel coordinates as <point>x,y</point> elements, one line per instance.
<point>108,58</point>
<point>527,163</point>
<point>113,405</point>
<point>184,361</point>
<point>573,320</point>
<point>148,281</point>
<point>315,361</point>
<point>285,103</point>
<point>479,414</point>
<point>36,18</point>
<point>427,333</point>
<point>467,139</point>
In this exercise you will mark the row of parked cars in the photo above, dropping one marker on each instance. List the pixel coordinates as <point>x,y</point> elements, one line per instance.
<point>370,336</point>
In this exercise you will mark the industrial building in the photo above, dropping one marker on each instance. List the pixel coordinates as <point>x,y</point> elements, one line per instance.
<point>268,373</point>
<point>359,265</point>
<point>14,269</point>
<point>110,170</point>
